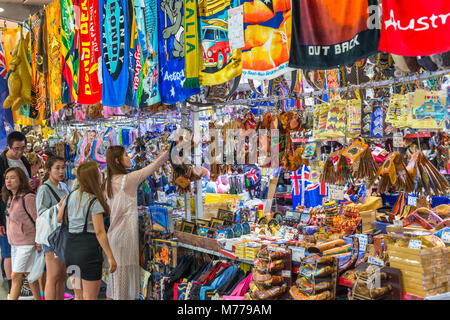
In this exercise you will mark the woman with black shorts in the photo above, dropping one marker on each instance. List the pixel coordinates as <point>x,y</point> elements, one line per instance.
<point>86,207</point>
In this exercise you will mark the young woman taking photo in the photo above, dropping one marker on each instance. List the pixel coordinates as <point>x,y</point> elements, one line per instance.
<point>48,201</point>
<point>123,232</point>
<point>21,231</point>
<point>84,208</point>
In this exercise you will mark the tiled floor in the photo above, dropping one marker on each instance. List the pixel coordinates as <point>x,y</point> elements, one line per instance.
<point>4,289</point>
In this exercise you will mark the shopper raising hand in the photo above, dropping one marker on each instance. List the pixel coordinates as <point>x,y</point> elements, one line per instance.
<point>123,232</point>
<point>84,209</point>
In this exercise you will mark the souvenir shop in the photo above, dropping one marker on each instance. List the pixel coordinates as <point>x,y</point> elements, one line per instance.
<point>309,143</point>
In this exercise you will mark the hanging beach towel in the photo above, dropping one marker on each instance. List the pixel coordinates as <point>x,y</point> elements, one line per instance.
<point>267,27</point>
<point>69,52</point>
<point>331,33</point>
<point>54,55</point>
<point>90,90</point>
<point>149,87</point>
<point>415,29</point>
<point>114,46</point>
<point>38,83</point>
<point>134,58</point>
<point>219,63</point>
<point>171,49</point>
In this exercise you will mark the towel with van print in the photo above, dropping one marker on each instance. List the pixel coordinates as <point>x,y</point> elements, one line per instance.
<point>331,33</point>
<point>69,51</point>
<point>171,52</point>
<point>114,48</point>
<point>220,63</point>
<point>267,25</point>
<point>417,28</point>
<point>148,38</point>
<point>90,90</point>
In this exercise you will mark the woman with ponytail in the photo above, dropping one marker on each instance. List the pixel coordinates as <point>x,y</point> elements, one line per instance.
<point>48,201</point>
<point>123,232</point>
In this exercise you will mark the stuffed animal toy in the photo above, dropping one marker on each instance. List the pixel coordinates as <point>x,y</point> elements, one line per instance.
<point>19,81</point>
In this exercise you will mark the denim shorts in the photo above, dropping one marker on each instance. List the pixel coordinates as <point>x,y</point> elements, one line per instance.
<point>46,248</point>
<point>5,247</point>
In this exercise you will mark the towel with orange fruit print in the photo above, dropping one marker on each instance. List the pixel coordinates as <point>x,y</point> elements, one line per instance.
<point>267,33</point>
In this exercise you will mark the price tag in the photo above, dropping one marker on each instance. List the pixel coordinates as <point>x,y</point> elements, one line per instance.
<point>415,244</point>
<point>375,261</point>
<point>362,242</point>
<point>300,237</point>
<point>236,27</point>
<point>286,273</point>
<point>298,254</point>
<point>398,140</point>
<point>398,223</point>
<point>335,192</point>
<point>162,196</point>
<point>446,236</point>
<point>412,201</point>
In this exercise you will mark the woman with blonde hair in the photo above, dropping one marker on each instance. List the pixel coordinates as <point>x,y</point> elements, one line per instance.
<point>84,209</point>
<point>123,232</point>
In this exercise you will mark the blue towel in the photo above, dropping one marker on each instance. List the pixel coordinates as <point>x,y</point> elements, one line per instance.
<point>114,47</point>
<point>171,52</point>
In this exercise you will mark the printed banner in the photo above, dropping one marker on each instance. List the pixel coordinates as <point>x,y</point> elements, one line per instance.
<point>171,49</point>
<point>54,55</point>
<point>220,63</point>
<point>331,33</point>
<point>415,29</point>
<point>114,22</point>
<point>90,90</point>
<point>149,87</point>
<point>268,27</point>
<point>69,51</point>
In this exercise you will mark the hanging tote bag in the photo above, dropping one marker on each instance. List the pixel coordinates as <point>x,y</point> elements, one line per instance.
<point>58,238</point>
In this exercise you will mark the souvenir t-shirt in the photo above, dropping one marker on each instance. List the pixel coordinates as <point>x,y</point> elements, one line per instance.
<point>267,32</point>
<point>331,33</point>
<point>114,48</point>
<point>69,52</point>
<point>417,28</point>
<point>77,211</point>
<point>220,63</point>
<point>171,52</point>
<point>90,90</point>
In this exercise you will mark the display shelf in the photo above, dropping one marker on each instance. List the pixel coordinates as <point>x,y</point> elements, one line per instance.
<point>215,253</point>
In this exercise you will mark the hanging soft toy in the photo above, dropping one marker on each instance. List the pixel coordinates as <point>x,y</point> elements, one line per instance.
<point>19,81</point>
<point>222,185</point>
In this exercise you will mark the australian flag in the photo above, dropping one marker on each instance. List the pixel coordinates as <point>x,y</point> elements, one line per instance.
<point>305,192</point>
<point>6,117</point>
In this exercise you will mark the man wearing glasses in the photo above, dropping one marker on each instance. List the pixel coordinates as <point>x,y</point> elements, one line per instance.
<point>11,157</point>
